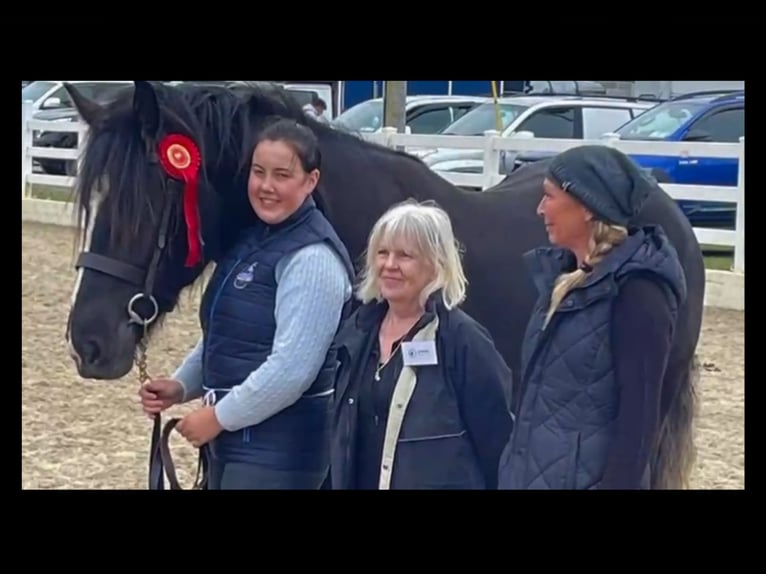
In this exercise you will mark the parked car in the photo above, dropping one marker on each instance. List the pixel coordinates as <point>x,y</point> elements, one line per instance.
<point>51,102</point>
<point>51,95</point>
<point>424,114</point>
<point>696,117</point>
<point>544,116</point>
<point>709,116</point>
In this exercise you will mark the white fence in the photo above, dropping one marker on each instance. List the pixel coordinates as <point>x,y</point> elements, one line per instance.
<point>491,144</point>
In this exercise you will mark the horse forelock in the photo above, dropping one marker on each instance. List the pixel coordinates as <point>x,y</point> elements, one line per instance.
<point>116,167</point>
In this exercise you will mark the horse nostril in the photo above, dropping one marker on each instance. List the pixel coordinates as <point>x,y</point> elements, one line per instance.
<point>90,351</point>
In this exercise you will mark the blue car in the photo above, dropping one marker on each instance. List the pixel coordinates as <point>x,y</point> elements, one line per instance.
<point>699,117</point>
<point>703,117</point>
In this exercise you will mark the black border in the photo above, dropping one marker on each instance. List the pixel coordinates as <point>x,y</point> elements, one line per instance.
<point>403,51</point>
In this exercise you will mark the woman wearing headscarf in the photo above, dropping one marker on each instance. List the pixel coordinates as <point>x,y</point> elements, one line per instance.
<point>593,412</point>
<point>421,395</point>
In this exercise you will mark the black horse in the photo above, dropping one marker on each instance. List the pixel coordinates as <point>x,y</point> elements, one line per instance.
<point>136,241</point>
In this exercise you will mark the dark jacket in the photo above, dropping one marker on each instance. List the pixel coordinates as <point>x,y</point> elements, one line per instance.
<point>447,423</point>
<point>565,424</point>
<point>237,317</point>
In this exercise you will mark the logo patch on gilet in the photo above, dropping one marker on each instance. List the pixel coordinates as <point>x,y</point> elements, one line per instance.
<point>244,277</point>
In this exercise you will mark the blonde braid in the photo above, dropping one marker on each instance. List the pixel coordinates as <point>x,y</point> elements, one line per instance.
<point>605,238</point>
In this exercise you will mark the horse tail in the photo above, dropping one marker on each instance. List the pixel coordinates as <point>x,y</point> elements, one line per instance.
<point>676,453</point>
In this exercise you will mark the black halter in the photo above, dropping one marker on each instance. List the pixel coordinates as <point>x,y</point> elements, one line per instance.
<point>143,279</point>
<point>159,453</point>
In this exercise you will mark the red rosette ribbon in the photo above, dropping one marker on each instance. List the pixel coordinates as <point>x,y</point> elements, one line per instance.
<point>181,159</point>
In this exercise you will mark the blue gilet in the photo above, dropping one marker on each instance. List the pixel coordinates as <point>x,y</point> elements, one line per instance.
<point>237,318</point>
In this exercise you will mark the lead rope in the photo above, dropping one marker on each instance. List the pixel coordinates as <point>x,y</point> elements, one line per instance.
<point>143,377</point>
<point>160,459</point>
<point>156,468</point>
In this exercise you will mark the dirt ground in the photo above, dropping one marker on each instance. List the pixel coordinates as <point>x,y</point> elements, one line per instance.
<point>79,434</point>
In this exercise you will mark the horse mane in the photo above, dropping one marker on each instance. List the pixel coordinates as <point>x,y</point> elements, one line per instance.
<point>223,121</point>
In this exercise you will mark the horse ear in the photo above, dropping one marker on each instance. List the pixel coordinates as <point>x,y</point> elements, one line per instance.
<point>90,111</point>
<point>146,108</point>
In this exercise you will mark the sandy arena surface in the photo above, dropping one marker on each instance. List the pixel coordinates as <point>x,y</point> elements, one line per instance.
<point>80,434</point>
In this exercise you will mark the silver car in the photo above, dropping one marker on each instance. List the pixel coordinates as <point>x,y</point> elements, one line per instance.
<point>545,116</point>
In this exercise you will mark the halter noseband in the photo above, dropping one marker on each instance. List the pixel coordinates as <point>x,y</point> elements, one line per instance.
<point>144,280</point>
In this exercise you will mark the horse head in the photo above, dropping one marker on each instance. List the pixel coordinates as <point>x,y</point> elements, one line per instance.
<point>148,217</point>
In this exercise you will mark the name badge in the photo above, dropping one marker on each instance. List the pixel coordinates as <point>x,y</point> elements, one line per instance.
<point>417,353</point>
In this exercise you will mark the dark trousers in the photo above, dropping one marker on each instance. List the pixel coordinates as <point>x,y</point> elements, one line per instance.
<point>225,475</point>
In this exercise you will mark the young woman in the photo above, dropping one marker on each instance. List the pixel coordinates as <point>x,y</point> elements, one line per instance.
<point>265,363</point>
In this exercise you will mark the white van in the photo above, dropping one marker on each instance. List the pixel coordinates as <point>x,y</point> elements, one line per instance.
<point>304,92</point>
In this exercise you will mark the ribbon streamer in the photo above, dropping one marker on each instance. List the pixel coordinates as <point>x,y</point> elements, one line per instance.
<point>181,159</point>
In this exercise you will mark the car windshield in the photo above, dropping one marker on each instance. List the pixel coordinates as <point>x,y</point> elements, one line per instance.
<point>483,118</point>
<point>36,90</point>
<point>659,122</point>
<point>364,117</point>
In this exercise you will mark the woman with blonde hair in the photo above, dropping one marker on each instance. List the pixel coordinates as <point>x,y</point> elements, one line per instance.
<point>593,412</point>
<point>421,393</point>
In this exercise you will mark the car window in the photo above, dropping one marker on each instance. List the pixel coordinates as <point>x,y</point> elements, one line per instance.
<point>659,122</point>
<point>483,118</point>
<point>36,90</point>
<point>725,126</point>
<point>303,97</point>
<point>596,121</point>
<point>431,121</point>
<point>101,92</point>
<point>555,122</point>
<point>363,117</point>
<point>61,94</point>
<point>459,111</point>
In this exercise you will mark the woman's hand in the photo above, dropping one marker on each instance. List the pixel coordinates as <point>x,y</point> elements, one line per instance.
<point>160,394</point>
<point>200,427</point>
